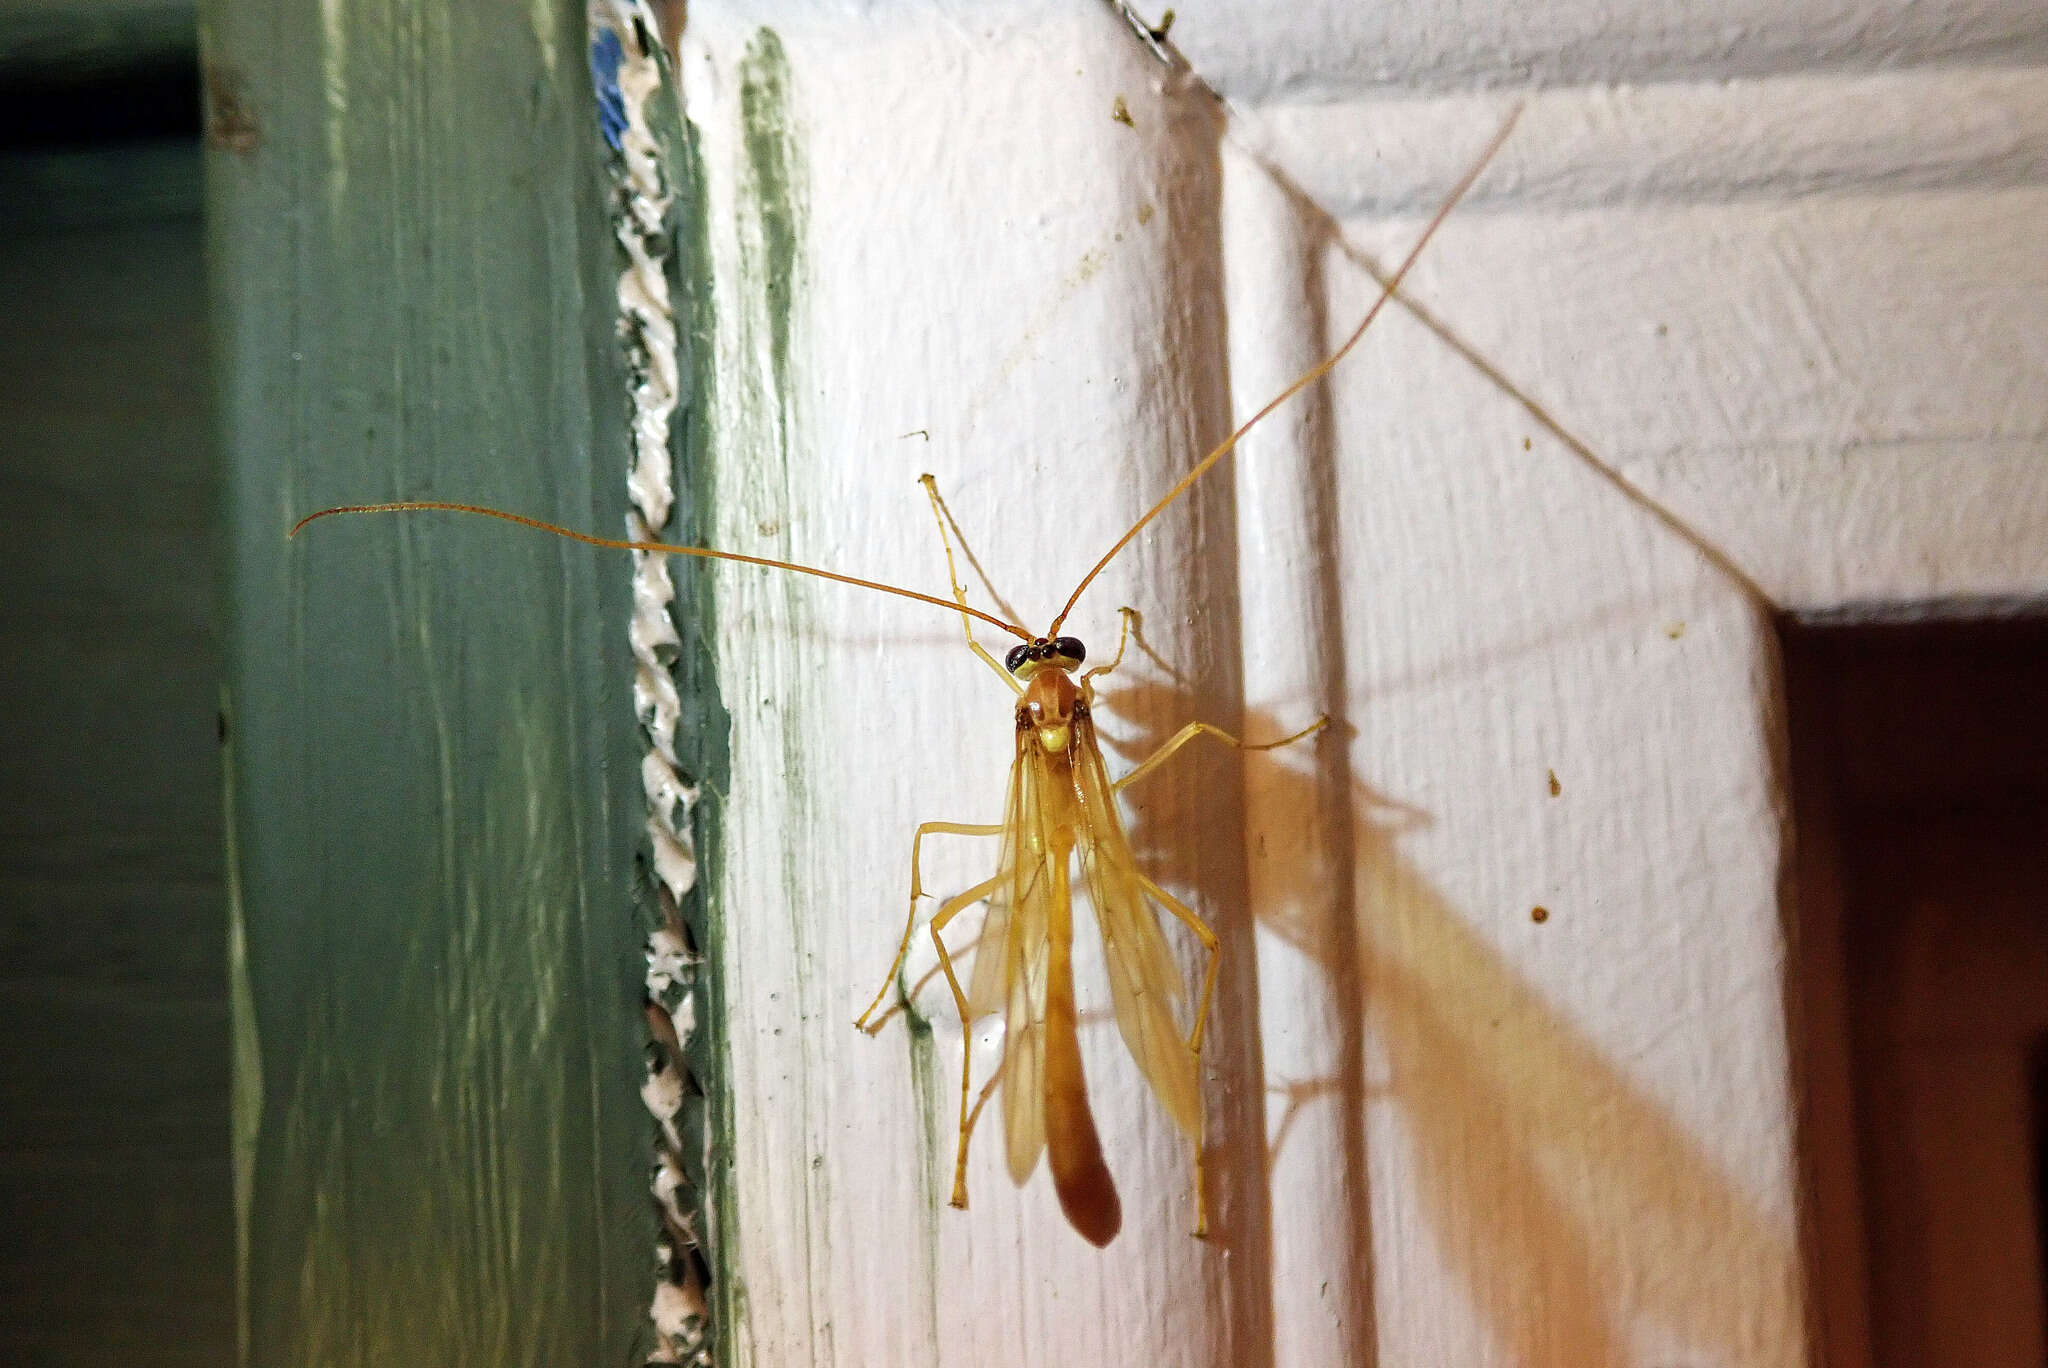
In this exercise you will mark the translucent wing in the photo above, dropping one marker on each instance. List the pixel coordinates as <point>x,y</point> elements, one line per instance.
<point>1010,964</point>
<point>1144,981</point>
<point>987,986</point>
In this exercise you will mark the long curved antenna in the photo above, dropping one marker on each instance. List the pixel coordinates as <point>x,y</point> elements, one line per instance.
<point>1307,377</point>
<point>658,548</point>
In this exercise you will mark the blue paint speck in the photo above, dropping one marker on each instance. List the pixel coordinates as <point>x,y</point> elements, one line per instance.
<point>606,52</point>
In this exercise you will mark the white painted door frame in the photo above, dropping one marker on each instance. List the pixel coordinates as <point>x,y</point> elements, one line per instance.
<point>1695,353</point>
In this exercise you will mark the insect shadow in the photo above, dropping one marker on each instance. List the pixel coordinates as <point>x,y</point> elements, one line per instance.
<point>1493,1085</point>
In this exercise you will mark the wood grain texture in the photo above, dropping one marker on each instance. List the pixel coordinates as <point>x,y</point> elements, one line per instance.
<point>441,1155</point>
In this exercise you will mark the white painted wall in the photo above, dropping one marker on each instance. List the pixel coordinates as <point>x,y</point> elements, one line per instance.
<point>1694,350</point>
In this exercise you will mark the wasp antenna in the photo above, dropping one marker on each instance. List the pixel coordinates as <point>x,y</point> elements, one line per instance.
<point>654,548</point>
<point>1305,379</point>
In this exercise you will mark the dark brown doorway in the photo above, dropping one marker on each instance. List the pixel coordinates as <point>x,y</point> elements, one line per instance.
<point>1920,765</point>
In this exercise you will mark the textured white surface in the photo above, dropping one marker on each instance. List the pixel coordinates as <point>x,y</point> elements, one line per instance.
<point>1252,50</point>
<point>1556,1142</point>
<point>1805,315</point>
<point>647,333</point>
<point>1804,311</point>
<point>987,257</point>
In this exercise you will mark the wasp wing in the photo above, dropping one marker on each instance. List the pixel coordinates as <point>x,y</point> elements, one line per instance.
<point>1010,964</point>
<point>1144,980</point>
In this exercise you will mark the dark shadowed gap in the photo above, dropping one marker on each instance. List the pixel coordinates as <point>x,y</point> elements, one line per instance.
<point>2037,1138</point>
<point>159,99</point>
<point>114,1168</point>
<point>1920,985</point>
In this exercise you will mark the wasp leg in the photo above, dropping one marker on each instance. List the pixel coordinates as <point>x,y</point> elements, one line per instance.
<point>952,908</point>
<point>931,487</point>
<point>1195,729</point>
<point>1123,639</point>
<point>1213,949</point>
<point>917,891</point>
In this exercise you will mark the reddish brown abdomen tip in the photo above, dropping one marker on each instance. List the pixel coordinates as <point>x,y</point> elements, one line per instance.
<point>1090,1201</point>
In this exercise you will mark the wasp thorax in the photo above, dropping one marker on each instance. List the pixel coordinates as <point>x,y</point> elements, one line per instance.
<point>1050,702</point>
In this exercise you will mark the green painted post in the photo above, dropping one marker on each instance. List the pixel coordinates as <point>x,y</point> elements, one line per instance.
<point>434,805</point>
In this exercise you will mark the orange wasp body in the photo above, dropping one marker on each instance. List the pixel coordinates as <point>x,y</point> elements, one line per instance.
<point>1060,813</point>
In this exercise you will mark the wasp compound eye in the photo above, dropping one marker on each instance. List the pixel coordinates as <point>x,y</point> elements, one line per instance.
<point>1016,658</point>
<point>1071,648</point>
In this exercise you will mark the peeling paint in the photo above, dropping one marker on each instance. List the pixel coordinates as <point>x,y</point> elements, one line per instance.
<point>627,73</point>
<point>705,723</point>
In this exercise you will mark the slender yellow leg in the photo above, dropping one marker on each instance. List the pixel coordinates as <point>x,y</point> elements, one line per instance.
<point>1213,948</point>
<point>931,487</point>
<point>1210,944</point>
<point>938,923</point>
<point>1195,729</point>
<point>916,892</point>
<point>987,1091</point>
<point>1123,639</point>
